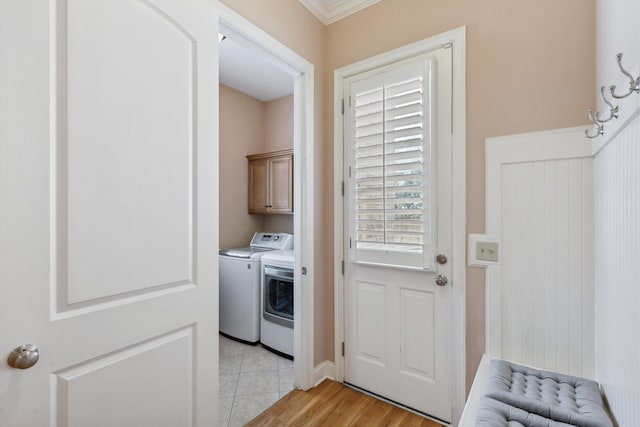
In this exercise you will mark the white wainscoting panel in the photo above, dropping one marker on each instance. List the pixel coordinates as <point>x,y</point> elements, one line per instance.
<point>540,209</point>
<point>617,273</point>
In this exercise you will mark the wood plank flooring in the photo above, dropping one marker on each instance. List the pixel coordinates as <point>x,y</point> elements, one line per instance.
<point>333,404</point>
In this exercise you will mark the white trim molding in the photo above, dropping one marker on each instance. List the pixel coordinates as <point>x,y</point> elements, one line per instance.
<point>304,170</point>
<point>324,371</point>
<point>614,129</point>
<point>457,38</point>
<point>341,9</point>
<point>476,393</point>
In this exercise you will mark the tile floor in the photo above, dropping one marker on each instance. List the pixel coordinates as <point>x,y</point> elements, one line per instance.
<point>251,380</point>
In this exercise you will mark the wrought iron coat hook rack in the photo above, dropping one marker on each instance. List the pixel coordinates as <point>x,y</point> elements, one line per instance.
<point>595,117</point>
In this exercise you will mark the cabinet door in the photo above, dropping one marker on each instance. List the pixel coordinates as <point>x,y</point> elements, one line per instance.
<point>281,188</point>
<point>258,185</point>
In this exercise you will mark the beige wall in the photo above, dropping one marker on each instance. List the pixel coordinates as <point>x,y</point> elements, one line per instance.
<point>530,67</point>
<point>293,25</point>
<point>241,133</point>
<point>278,124</point>
<point>278,135</point>
<point>249,126</point>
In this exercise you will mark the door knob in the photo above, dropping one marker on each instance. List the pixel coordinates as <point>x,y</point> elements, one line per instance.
<point>23,357</point>
<point>441,280</point>
<point>441,259</point>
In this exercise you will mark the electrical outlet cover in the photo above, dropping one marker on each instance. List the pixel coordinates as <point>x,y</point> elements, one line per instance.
<point>483,250</point>
<point>487,251</point>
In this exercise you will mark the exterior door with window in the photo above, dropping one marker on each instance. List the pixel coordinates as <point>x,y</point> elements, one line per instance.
<point>397,209</point>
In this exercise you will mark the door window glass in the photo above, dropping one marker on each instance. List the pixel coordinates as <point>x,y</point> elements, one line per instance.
<point>392,175</point>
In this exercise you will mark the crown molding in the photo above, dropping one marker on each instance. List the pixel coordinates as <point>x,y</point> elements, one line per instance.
<point>329,15</point>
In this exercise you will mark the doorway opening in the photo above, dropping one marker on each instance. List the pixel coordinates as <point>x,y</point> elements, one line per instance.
<point>277,85</point>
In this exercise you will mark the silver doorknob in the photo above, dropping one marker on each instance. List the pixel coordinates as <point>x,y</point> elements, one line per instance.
<point>441,280</point>
<point>441,259</point>
<point>23,357</point>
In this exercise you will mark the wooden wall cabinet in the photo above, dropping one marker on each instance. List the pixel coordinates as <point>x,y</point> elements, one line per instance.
<point>271,182</point>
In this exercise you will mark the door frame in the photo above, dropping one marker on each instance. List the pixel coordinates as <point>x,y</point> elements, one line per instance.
<point>303,177</point>
<point>457,330</point>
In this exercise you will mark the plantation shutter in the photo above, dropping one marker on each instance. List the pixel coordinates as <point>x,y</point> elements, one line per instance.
<point>392,173</point>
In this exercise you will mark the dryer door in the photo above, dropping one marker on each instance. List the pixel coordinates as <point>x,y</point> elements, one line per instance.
<point>278,295</point>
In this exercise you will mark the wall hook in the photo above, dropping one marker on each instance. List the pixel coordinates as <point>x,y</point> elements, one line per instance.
<point>599,131</point>
<point>634,84</point>
<point>593,117</point>
<point>613,111</point>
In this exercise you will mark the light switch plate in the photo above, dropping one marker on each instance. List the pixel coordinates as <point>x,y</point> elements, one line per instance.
<point>483,250</point>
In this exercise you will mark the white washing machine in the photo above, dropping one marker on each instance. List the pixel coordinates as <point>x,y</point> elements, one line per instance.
<point>276,321</point>
<point>240,275</point>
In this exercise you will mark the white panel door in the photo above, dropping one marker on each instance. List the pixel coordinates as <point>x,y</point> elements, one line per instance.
<point>398,211</point>
<point>108,212</point>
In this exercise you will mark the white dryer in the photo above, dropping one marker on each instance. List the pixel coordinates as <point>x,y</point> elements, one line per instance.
<point>276,323</point>
<point>240,275</point>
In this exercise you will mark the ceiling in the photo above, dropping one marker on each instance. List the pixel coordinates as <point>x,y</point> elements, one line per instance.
<point>330,11</point>
<point>250,70</point>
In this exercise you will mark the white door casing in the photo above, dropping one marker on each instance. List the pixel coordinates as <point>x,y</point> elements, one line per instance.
<point>455,317</point>
<point>262,43</point>
<point>396,335</point>
<point>108,211</point>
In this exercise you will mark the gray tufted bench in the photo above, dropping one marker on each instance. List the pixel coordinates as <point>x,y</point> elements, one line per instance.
<point>493,413</point>
<point>505,394</point>
<point>562,398</point>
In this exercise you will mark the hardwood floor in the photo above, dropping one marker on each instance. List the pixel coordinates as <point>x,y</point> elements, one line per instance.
<point>333,404</point>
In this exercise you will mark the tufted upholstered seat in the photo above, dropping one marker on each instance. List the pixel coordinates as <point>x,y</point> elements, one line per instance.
<point>493,413</point>
<point>561,398</point>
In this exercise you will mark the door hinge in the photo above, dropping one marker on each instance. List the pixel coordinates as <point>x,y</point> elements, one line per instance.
<point>342,106</point>
<point>343,188</point>
<point>342,267</point>
<point>304,271</point>
<point>349,242</point>
<point>342,348</point>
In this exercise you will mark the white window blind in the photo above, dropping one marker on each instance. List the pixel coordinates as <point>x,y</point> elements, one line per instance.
<point>392,173</point>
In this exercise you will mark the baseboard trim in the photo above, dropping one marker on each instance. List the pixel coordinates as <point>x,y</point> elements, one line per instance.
<point>325,370</point>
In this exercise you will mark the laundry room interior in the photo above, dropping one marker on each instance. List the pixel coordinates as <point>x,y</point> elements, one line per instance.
<point>256,215</point>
